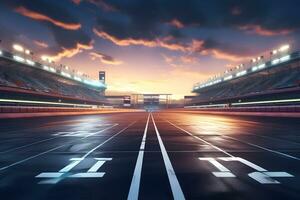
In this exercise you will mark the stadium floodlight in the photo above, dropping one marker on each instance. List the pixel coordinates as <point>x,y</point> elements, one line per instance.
<point>259,58</point>
<point>18,58</point>
<point>65,74</point>
<point>284,48</point>
<point>46,67</point>
<point>254,68</point>
<point>253,60</point>
<point>228,78</point>
<point>18,47</point>
<point>52,69</point>
<point>261,66</point>
<point>27,51</point>
<point>274,52</point>
<point>30,62</point>
<point>0,53</point>
<point>241,73</point>
<point>77,78</point>
<point>274,62</point>
<point>44,58</point>
<point>285,58</point>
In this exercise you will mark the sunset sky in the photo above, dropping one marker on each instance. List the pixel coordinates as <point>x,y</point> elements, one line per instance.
<point>150,46</point>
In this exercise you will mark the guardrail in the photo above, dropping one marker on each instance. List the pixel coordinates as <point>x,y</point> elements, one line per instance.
<point>249,109</point>
<point>28,109</point>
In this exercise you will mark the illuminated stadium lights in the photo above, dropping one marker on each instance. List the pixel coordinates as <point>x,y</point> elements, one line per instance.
<point>51,69</point>
<point>30,62</point>
<point>228,78</point>
<point>93,83</point>
<point>46,67</point>
<point>18,58</point>
<point>18,47</point>
<point>284,48</point>
<point>261,66</point>
<point>216,81</point>
<point>65,74</point>
<point>45,102</point>
<point>274,52</point>
<point>285,58</point>
<point>266,102</point>
<point>28,52</point>
<point>77,78</point>
<point>0,53</point>
<point>254,68</point>
<point>241,73</point>
<point>276,61</point>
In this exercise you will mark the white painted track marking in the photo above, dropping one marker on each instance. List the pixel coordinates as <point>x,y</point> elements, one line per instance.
<point>53,149</point>
<point>91,151</point>
<point>135,183</point>
<point>263,148</point>
<point>45,140</point>
<point>175,186</point>
<point>202,140</point>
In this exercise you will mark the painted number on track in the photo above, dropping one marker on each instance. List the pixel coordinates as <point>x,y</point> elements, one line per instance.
<point>260,174</point>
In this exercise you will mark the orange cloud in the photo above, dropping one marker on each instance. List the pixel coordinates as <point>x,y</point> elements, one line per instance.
<point>226,56</point>
<point>40,44</point>
<point>38,16</point>
<point>176,23</point>
<point>257,29</point>
<point>68,53</point>
<point>149,43</point>
<point>188,59</point>
<point>105,58</point>
<point>194,46</point>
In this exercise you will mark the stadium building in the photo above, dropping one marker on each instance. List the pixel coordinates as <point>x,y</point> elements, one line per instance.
<point>26,81</point>
<point>265,82</point>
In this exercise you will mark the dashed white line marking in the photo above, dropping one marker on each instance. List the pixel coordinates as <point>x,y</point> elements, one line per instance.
<point>175,186</point>
<point>135,183</point>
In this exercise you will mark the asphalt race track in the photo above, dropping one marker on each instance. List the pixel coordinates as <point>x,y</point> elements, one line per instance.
<point>144,155</point>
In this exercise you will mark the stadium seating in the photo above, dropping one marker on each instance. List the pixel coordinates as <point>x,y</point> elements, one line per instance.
<point>30,79</point>
<point>270,80</point>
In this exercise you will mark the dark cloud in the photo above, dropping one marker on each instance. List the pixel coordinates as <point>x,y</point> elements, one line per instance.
<point>66,29</point>
<point>147,22</point>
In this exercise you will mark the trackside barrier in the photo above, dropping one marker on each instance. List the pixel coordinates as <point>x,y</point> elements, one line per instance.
<point>290,108</point>
<point>27,109</point>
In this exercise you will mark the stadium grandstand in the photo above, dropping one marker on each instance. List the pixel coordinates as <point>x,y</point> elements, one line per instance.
<point>268,80</point>
<point>25,80</point>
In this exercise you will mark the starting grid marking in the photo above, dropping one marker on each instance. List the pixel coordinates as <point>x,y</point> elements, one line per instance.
<point>83,133</point>
<point>92,172</point>
<point>260,174</point>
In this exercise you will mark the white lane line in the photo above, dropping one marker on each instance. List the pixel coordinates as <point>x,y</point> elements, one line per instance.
<point>263,148</point>
<point>27,145</point>
<point>136,178</point>
<point>91,151</point>
<point>42,153</point>
<point>202,140</point>
<point>175,186</point>
<point>251,144</point>
<point>48,139</point>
